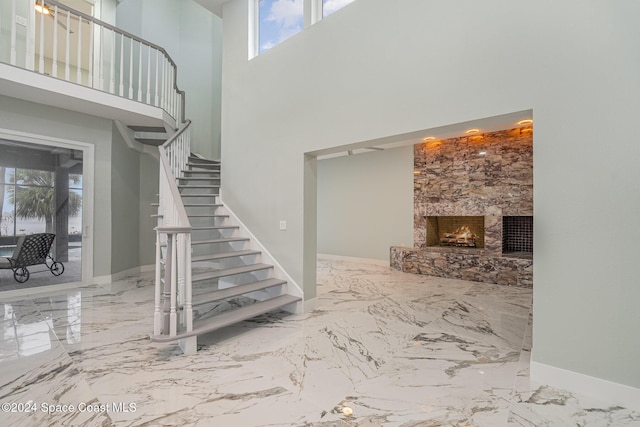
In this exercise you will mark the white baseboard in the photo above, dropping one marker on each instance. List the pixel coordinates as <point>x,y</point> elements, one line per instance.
<point>597,388</point>
<point>331,257</point>
<point>14,294</point>
<point>103,280</point>
<point>310,305</point>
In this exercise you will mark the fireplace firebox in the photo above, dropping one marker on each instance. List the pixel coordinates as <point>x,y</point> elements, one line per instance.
<point>455,231</point>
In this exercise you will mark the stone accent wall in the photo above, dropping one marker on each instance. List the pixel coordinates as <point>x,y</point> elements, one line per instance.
<point>488,175</point>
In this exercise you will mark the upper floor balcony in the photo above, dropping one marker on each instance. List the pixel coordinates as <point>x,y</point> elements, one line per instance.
<point>52,54</point>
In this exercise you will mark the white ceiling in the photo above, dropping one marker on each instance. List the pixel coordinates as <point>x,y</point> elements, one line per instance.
<point>214,6</point>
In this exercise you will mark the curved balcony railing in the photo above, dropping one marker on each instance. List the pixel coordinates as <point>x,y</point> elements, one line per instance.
<point>58,41</point>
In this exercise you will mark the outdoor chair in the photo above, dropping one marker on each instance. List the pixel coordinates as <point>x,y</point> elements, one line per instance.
<point>33,249</point>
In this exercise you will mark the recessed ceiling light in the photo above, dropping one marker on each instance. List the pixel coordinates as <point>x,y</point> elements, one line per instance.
<point>525,122</point>
<point>429,138</point>
<point>470,131</point>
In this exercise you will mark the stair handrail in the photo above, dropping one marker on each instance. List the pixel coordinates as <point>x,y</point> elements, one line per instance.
<point>174,232</point>
<point>166,74</point>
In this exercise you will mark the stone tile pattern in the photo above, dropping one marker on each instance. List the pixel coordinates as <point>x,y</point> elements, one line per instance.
<point>395,349</point>
<point>488,175</point>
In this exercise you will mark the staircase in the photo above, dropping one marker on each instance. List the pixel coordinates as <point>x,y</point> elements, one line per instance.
<point>229,282</point>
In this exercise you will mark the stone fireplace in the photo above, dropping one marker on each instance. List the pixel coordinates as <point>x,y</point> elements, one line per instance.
<point>455,231</point>
<point>473,209</point>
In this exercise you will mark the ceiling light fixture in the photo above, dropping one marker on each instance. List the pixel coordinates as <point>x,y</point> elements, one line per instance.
<point>525,122</point>
<point>42,8</point>
<point>470,131</point>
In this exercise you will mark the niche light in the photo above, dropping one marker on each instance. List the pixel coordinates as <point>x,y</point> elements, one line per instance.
<point>525,122</point>
<point>472,131</point>
<point>429,138</point>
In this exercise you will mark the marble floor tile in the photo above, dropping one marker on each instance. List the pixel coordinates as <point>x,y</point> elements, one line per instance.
<point>383,348</point>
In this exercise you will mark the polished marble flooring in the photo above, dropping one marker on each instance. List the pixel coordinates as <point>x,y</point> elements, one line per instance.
<point>383,348</point>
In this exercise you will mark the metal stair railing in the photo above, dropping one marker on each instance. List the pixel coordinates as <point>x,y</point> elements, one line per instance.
<point>67,44</point>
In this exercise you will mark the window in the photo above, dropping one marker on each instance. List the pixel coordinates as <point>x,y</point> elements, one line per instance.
<point>273,21</point>
<point>330,6</point>
<point>277,21</point>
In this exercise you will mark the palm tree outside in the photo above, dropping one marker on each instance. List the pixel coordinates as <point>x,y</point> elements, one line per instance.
<point>33,196</point>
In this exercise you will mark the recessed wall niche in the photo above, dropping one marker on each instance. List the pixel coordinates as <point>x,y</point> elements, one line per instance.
<point>480,179</point>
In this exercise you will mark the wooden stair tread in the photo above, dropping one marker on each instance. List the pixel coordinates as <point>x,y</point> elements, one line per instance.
<point>230,317</point>
<point>208,216</point>
<point>223,255</point>
<point>225,240</point>
<point>221,294</point>
<point>215,227</point>
<point>251,268</point>
<point>201,205</point>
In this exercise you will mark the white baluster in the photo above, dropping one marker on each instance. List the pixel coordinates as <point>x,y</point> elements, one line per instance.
<point>79,61</point>
<point>157,98</point>
<point>67,69</point>
<point>13,33</point>
<point>131,69</point>
<point>112,65</point>
<point>54,65</point>
<point>31,42</point>
<point>149,75</point>
<point>101,59</point>
<point>41,58</point>
<point>164,84</point>
<point>121,65</point>
<point>139,72</point>
<point>91,50</point>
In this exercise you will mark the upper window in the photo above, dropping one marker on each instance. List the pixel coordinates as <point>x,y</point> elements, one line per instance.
<point>278,20</point>
<point>330,6</point>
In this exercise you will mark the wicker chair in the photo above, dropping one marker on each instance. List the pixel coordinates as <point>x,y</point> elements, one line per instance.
<point>33,249</point>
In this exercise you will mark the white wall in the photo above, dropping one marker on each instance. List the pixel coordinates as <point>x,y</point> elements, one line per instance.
<point>365,203</point>
<point>375,69</point>
<point>193,38</point>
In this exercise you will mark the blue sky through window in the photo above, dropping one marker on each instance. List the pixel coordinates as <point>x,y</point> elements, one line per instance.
<point>279,20</point>
<point>330,6</point>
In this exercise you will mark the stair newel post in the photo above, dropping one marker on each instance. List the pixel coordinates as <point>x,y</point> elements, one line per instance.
<point>181,272</point>
<point>173,319</point>
<point>188,310</point>
<point>157,314</point>
<point>166,294</point>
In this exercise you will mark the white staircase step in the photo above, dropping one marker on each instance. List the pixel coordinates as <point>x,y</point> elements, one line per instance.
<point>251,268</point>
<point>224,240</point>
<point>230,317</point>
<point>199,195</point>
<point>203,160</point>
<point>208,216</point>
<point>216,227</point>
<point>204,166</point>
<point>235,291</point>
<point>202,205</point>
<point>199,178</point>
<point>182,186</point>
<point>201,172</point>
<point>223,255</point>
